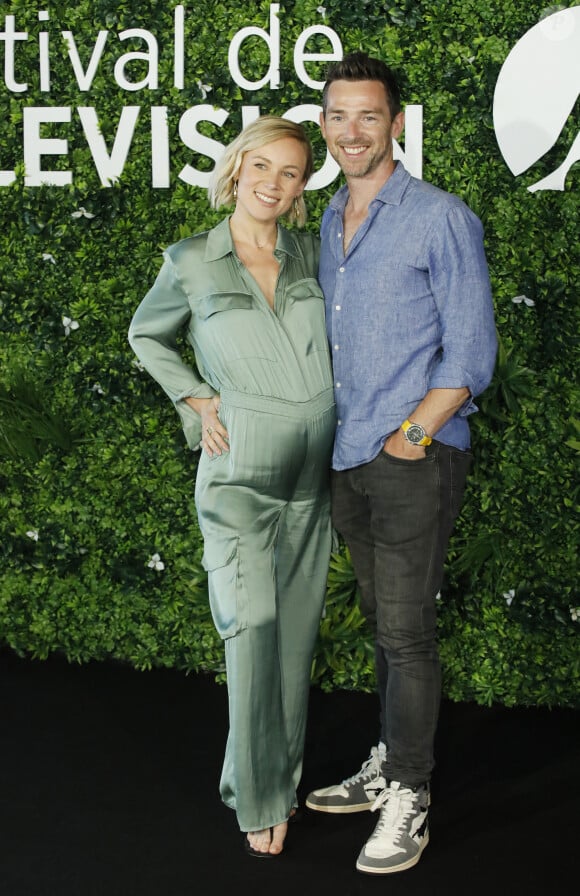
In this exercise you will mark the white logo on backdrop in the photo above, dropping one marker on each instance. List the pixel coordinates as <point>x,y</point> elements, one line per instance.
<point>536,91</point>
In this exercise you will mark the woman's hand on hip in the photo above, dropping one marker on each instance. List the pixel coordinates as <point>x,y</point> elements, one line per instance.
<point>214,435</point>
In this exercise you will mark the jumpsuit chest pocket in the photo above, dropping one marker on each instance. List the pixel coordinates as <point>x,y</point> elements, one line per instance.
<point>217,302</point>
<point>305,316</point>
<point>227,328</point>
<point>308,288</point>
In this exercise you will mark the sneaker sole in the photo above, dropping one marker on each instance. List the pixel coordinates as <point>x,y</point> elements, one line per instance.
<point>371,869</point>
<point>340,810</point>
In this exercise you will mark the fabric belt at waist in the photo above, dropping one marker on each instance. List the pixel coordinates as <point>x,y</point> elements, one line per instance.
<point>266,404</point>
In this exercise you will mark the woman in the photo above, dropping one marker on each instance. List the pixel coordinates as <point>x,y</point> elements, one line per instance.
<point>246,297</point>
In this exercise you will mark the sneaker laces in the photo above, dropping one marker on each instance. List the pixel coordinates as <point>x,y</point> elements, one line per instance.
<point>371,768</point>
<point>397,804</point>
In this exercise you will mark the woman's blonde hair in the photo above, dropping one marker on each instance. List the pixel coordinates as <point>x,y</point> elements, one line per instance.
<point>264,130</point>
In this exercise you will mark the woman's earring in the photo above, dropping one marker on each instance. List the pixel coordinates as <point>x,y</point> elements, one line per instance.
<point>296,207</point>
<point>235,189</point>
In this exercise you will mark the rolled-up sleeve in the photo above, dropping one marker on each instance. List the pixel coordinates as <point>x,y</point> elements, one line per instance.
<point>462,292</point>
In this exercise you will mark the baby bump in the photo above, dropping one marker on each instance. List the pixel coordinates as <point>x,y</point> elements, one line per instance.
<point>271,444</point>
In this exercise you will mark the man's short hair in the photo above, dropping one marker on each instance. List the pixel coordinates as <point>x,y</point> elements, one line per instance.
<point>360,67</point>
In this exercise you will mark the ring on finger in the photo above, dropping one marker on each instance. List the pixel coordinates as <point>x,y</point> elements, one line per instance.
<point>209,430</point>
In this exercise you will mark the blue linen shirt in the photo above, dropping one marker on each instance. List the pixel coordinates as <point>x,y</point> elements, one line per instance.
<point>408,309</point>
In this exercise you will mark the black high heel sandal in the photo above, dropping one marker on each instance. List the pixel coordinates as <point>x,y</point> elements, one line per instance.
<point>256,852</point>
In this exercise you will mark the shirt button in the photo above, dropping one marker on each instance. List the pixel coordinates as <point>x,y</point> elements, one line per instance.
<point>338,385</point>
<point>339,422</point>
<point>336,348</point>
<point>341,270</point>
<point>339,235</point>
<point>337,307</point>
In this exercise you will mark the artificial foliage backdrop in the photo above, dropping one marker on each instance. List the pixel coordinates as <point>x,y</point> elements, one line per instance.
<point>100,553</point>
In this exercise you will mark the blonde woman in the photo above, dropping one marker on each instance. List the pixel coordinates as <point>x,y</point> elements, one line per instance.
<point>260,405</point>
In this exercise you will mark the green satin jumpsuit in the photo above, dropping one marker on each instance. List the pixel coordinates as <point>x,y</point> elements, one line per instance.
<point>264,506</point>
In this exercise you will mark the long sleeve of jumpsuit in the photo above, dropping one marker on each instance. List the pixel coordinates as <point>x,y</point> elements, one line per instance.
<point>264,506</point>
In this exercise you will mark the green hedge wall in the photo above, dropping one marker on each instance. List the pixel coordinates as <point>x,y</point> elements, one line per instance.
<point>100,549</point>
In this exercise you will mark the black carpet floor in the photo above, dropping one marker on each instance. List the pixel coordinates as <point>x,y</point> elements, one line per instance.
<point>109,787</point>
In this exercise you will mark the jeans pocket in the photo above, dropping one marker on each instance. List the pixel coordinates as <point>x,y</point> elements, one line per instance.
<point>406,461</point>
<point>226,599</point>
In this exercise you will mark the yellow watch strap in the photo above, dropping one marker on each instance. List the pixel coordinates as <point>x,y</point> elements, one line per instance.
<point>426,440</point>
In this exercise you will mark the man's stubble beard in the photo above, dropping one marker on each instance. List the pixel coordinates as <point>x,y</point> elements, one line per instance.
<point>372,165</point>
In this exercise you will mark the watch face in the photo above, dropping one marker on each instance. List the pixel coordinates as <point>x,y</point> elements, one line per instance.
<point>415,433</point>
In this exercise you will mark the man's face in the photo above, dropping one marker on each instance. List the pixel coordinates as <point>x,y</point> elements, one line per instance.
<point>358,127</point>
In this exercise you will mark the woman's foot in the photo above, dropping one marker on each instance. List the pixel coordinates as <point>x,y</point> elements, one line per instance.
<point>269,842</point>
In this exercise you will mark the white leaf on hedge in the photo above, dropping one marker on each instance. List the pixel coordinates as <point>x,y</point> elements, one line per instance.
<point>204,89</point>
<point>69,324</point>
<point>156,562</point>
<point>82,213</point>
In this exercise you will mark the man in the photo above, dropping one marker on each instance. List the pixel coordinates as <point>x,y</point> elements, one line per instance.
<point>411,328</point>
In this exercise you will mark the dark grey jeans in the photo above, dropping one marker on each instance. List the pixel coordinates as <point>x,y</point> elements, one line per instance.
<point>396,517</point>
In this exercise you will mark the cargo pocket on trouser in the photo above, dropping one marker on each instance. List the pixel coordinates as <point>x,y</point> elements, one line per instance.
<point>226,600</point>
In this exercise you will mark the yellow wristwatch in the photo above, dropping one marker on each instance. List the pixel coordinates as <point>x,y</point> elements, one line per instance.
<point>415,434</point>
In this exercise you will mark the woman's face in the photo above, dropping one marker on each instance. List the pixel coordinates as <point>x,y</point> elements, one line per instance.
<point>271,178</point>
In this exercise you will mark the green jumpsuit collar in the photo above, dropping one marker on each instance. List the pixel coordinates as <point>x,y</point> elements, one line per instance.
<point>220,242</point>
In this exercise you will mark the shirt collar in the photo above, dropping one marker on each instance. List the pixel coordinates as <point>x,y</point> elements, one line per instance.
<point>220,242</point>
<point>391,193</point>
